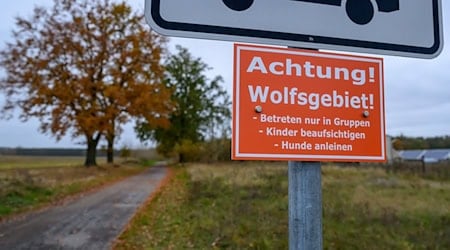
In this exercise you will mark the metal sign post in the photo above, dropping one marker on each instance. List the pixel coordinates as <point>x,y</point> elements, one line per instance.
<point>305,206</point>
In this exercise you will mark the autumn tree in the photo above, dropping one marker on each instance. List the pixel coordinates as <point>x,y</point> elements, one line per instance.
<point>202,106</point>
<point>84,68</point>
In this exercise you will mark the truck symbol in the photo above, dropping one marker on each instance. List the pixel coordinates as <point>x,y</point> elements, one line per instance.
<point>359,11</point>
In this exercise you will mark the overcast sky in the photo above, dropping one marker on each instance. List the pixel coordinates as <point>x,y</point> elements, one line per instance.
<point>417,91</point>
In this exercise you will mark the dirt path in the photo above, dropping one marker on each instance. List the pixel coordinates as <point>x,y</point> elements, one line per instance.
<point>91,222</point>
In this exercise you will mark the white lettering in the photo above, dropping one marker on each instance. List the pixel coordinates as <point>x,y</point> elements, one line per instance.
<point>333,147</point>
<point>314,101</point>
<point>273,68</point>
<point>280,119</point>
<point>296,145</point>
<point>273,131</point>
<point>276,97</point>
<point>359,77</point>
<point>257,64</point>
<point>258,95</point>
<point>290,66</point>
<point>351,123</point>
<point>307,69</point>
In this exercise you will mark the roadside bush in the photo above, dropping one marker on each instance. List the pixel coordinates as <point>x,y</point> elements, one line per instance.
<point>189,151</point>
<point>439,171</point>
<point>216,150</point>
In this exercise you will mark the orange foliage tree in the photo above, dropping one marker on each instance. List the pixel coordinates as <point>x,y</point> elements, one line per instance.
<point>85,68</point>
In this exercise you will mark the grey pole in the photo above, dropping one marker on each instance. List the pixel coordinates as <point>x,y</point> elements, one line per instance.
<point>305,206</point>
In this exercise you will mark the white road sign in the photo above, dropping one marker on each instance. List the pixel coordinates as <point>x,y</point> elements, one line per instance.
<point>393,27</point>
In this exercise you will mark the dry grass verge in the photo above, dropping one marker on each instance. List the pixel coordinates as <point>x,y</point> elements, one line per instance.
<point>244,206</point>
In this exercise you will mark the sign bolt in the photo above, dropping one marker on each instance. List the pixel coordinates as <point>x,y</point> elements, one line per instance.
<point>258,109</point>
<point>366,114</point>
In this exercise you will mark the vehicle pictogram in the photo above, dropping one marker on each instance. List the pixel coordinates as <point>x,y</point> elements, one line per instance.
<point>238,5</point>
<point>359,11</point>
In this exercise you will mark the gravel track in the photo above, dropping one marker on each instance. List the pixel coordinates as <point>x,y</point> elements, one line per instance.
<point>90,222</point>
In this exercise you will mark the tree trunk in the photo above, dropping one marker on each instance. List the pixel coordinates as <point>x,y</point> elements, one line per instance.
<point>181,158</point>
<point>91,153</point>
<point>110,149</point>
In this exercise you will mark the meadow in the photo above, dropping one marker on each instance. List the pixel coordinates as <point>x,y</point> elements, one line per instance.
<point>16,162</point>
<point>245,206</point>
<point>31,182</point>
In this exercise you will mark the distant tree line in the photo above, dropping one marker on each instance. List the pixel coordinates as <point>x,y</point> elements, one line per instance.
<point>50,152</point>
<point>404,142</point>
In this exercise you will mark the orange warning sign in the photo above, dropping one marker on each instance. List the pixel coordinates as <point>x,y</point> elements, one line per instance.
<point>291,104</point>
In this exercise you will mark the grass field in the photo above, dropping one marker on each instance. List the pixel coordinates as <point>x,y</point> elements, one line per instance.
<point>245,206</point>
<point>28,183</point>
<point>15,162</point>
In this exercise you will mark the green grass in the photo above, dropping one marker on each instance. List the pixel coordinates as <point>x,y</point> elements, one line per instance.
<point>23,189</point>
<point>245,206</point>
<point>363,207</point>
